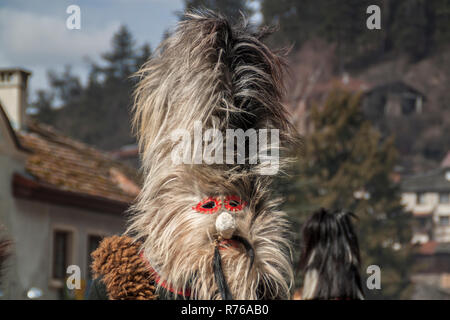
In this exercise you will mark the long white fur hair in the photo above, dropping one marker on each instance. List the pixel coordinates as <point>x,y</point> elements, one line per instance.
<point>226,78</point>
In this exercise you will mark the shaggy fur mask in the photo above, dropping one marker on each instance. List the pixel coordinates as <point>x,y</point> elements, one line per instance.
<point>226,78</point>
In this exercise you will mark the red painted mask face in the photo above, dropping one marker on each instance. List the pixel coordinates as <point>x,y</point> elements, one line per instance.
<point>212,204</point>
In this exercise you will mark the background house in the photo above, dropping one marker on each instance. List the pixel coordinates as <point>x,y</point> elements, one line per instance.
<point>427,196</point>
<point>432,276</point>
<point>314,93</point>
<point>58,197</point>
<point>128,154</point>
<point>393,99</point>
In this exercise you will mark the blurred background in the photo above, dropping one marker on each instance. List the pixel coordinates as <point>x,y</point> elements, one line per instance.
<point>373,107</point>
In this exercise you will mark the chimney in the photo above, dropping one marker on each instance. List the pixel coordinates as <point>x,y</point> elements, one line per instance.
<point>14,95</point>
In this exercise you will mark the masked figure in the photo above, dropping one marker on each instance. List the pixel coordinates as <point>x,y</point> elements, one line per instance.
<point>212,133</point>
<point>331,259</point>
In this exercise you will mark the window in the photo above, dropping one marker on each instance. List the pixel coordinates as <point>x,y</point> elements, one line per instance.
<point>444,197</point>
<point>93,242</point>
<point>409,105</point>
<point>422,222</point>
<point>61,252</point>
<point>444,220</point>
<point>421,198</point>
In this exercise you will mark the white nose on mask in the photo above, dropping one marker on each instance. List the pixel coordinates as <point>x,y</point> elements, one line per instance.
<point>225,225</point>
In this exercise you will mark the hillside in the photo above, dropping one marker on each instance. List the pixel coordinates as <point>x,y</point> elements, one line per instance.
<point>422,139</point>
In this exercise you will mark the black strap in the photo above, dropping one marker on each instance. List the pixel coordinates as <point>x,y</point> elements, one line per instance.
<point>220,277</point>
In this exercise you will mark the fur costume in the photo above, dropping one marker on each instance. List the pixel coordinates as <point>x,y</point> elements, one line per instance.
<point>4,254</point>
<point>124,273</point>
<point>204,231</point>
<point>330,258</point>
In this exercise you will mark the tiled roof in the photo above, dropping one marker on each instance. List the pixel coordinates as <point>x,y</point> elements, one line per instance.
<point>396,87</point>
<point>128,151</point>
<point>69,165</point>
<point>436,181</point>
<point>433,247</point>
<point>428,248</point>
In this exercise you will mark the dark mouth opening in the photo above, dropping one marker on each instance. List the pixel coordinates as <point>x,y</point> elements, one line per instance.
<point>229,244</point>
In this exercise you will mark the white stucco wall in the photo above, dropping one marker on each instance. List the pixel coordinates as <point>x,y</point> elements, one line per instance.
<point>10,161</point>
<point>432,207</point>
<point>32,229</point>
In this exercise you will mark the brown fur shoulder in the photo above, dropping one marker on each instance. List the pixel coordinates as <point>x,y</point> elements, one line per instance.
<point>123,271</point>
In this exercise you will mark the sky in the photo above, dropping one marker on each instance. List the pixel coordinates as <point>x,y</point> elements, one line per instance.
<point>34,36</point>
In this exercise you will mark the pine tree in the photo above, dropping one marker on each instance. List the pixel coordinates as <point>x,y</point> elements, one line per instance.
<point>42,107</point>
<point>347,166</point>
<point>99,113</point>
<point>297,20</point>
<point>120,60</point>
<point>413,28</point>
<point>66,85</point>
<point>332,19</point>
<point>143,56</point>
<point>441,9</point>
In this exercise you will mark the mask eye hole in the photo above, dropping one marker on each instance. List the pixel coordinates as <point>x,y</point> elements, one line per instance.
<point>234,203</point>
<point>209,205</point>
